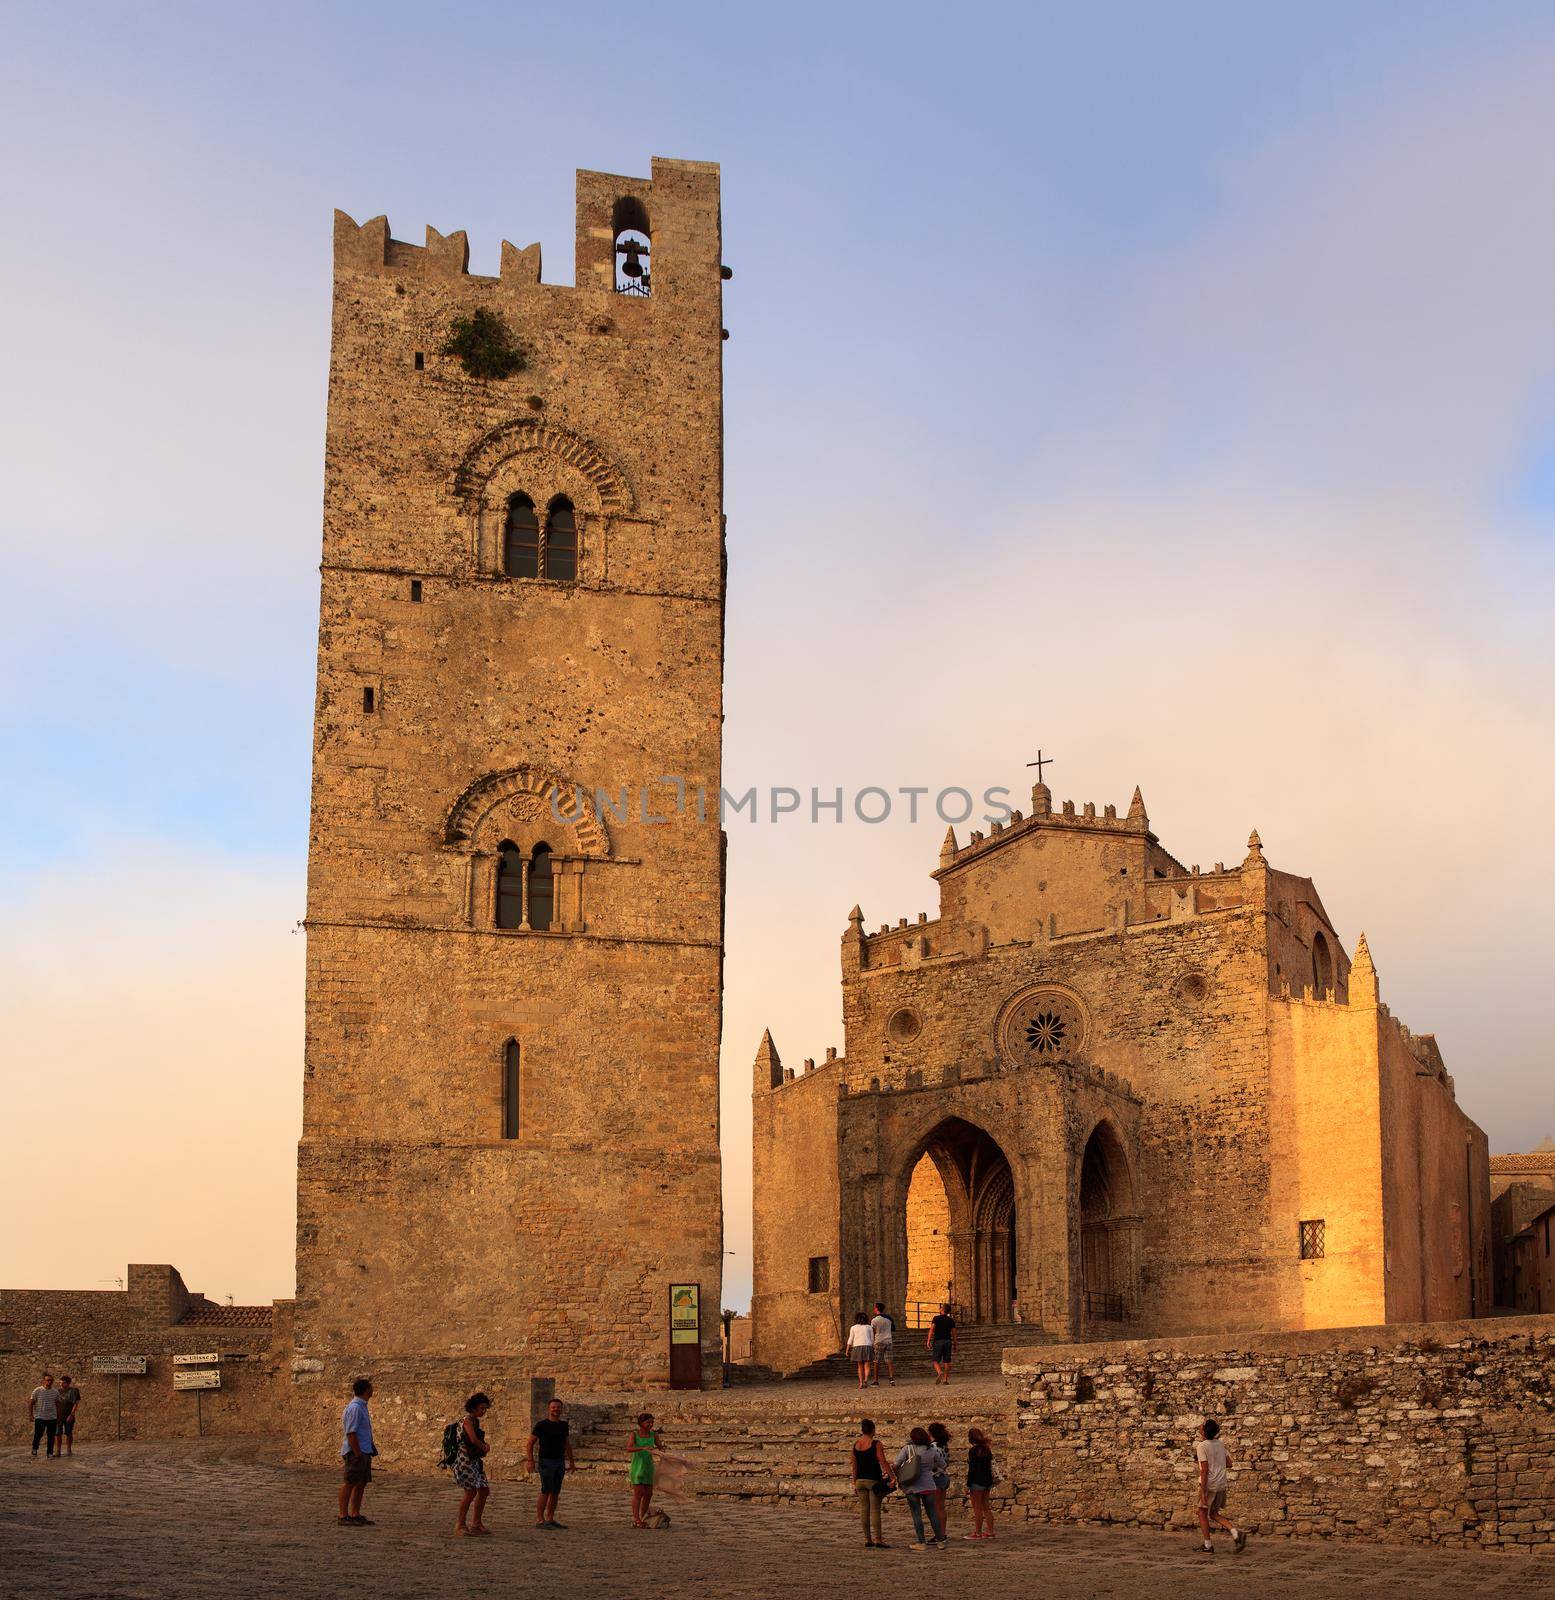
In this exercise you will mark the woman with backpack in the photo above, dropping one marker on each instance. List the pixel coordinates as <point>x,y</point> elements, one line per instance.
<point>979,1480</point>
<point>914,1467</point>
<point>872,1482</point>
<point>469,1466</point>
<point>939,1437</point>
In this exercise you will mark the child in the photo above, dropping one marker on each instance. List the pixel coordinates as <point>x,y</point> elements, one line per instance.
<point>644,1441</point>
<point>1214,1462</point>
<point>979,1481</point>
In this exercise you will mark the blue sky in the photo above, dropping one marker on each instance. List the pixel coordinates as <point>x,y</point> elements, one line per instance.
<point>1171,386</point>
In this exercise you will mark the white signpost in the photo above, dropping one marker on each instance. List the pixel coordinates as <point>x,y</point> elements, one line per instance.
<point>119,1366</point>
<point>210,1379</point>
<point>211,1359</point>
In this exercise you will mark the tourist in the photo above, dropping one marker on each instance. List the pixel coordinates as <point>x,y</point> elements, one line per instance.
<point>872,1482</point>
<point>861,1347</point>
<point>1214,1462</point>
<point>43,1408</point>
<point>549,1440</point>
<point>470,1468</point>
<point>939,1435</point>
<point>69,1399</point>
<point>941,1344</point>
<point>914,1469</point>
<point>979,1481</point>
<point>356,1452</point>
<point>644,1441</point>
<point>883,1326</point>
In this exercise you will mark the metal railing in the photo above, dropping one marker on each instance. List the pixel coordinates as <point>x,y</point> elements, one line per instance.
<point>1101,1307</point>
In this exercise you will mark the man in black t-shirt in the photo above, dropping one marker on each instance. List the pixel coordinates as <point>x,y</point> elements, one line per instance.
<point>941,1344</point>
<point>550,1442</point>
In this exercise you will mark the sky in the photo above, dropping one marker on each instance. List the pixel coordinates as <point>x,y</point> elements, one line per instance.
<point>1169,387</point>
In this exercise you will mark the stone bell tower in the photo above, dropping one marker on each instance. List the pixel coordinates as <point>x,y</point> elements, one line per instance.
<point>510,1132</point>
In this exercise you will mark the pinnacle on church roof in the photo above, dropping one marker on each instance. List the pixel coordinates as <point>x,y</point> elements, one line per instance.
<point>768,1060</point>
<point>856,915</point>
<point>1136,808</point>
<point>948,849</point>
<point>1362,955</point>
<point>1254,846</point>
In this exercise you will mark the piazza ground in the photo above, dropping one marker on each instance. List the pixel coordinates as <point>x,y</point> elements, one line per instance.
<point>168,1520</point>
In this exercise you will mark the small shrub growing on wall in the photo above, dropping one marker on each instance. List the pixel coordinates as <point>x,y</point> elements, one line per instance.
<point>484,345</point>
<point>1352,1391</point>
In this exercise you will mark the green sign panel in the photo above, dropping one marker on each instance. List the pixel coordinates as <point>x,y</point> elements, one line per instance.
<point>685,1313</point>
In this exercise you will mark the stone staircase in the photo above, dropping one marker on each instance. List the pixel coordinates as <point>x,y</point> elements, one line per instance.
<point>979,1349</point>
<point>787,1442</point>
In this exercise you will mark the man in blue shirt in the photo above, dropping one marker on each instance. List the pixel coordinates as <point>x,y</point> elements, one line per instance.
<point>356,1453</point>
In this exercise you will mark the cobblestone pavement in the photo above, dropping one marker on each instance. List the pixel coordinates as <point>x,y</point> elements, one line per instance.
<point>161,1521</point>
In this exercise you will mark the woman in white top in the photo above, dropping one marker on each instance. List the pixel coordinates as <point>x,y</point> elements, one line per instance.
<point>861,1347</point>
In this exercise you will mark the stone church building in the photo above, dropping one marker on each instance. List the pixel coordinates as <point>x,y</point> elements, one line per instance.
<point>510,1154</point>
<point>1105,1095</point>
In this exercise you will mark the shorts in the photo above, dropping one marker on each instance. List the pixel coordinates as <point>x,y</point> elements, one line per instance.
<point>551,1475</point>
<point>1216,1502</point>
<point>941,1351</point>
<point>884,1351</point>
<point>358,1468</point>
<point>68,1427</point>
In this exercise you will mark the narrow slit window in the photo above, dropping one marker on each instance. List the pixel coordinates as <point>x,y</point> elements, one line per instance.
<point>561,542</point>
<point>1313,1240</point>
<point>820,1274</point>
<point>415,590</point>
<point>421,361</point>
<point>542,888</point>
<point>510,1088</point>
<point>521,539</point>
<point>510,886</point>
<point>368,699</point>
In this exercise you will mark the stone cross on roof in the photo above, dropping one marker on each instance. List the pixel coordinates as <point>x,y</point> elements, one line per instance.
<point>1041,762</point>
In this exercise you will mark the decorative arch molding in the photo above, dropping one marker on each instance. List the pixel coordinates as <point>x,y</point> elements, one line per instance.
<point>567,800</point>
<point>523,434</point>
<point>1042,1024</point>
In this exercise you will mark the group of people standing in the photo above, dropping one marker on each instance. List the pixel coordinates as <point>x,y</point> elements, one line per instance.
<point>871,1345</point>
<point>921,1471</point>
<point>53,1413</point>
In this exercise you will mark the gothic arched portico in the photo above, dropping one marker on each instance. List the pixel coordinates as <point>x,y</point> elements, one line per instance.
<point>1109,1225</point>
<point>970,1257</point>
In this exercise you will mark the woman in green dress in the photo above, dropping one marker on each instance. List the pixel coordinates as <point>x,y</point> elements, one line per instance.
<point>645,1440</point>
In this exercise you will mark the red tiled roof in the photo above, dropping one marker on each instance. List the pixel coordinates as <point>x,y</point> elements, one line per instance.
<point>213,1316</point>
<point>1531,1161</point>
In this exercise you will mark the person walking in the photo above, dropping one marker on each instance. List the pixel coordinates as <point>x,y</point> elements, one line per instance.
<point>640,1474</point>
<point>356,1455</point>
<point>43,1408</point>
<point>1214,1461</point>
<point>872,1482</point>
<point>549,1439</point>
<point>69,1400</point>
<point>939,1438</point>
<point>861,1347</point>
<point>941,1343</point>
<point>883,1326</point>
<point>979,1482</point>
<point>914,1469</point>
<point>470,1468</point>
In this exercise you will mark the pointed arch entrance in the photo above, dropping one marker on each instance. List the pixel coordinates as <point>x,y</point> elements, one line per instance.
<point>959,1219</point>
<point>1108,1229</point>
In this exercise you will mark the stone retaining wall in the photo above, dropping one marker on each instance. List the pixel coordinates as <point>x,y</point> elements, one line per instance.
<point>1422,1434</point>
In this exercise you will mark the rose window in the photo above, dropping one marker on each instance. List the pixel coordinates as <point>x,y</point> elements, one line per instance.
<point>1045,1032</point>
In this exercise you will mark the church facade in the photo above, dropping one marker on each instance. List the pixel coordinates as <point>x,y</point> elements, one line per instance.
<point>1105,1095</point>
<point>514,970</point>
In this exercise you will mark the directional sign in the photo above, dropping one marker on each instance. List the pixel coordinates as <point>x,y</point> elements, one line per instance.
<point>210,1360</point>
<point>125,1366</point>
<point>197,1380</point>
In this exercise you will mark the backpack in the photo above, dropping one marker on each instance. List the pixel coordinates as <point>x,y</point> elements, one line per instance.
<point>453,1436</point>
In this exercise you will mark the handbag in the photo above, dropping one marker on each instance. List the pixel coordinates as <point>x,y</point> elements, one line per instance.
<point>881,1487</point>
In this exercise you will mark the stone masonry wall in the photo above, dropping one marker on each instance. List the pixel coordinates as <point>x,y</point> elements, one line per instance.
<point>1423,1434</point>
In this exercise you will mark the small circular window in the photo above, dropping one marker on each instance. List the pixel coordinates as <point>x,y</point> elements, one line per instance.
<point>1045,1023</point>
<point>1191,988</point>
<point>904,1025</point>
